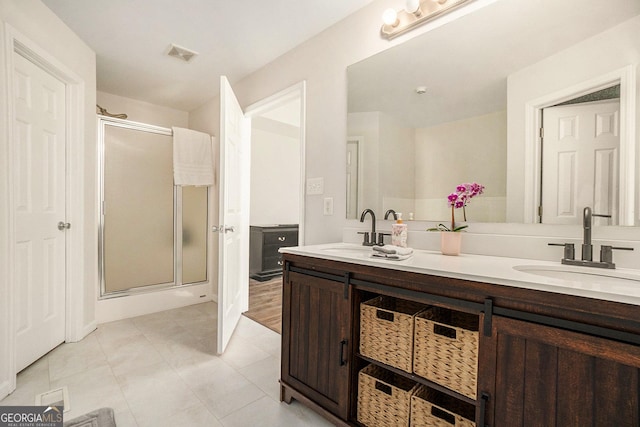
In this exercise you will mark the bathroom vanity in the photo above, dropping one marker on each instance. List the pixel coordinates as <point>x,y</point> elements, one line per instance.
<point>551,351</point>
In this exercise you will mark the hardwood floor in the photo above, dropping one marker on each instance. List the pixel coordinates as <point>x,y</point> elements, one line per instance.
<point>265,303</point>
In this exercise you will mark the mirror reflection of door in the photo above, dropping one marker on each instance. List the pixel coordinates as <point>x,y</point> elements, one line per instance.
<point>580,162</point>
<point>353,169</point>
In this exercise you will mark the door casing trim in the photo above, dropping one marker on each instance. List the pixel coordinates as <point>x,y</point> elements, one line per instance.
<point>75,291</point>
<point>626,77</point>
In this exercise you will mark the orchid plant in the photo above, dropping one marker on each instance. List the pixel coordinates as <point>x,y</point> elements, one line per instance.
<point>459,199</point>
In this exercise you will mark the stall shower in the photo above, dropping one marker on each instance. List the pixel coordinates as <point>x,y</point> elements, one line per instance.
<point>153,234</point>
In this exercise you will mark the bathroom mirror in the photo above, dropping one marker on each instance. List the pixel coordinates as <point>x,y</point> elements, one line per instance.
<point>464,103</point>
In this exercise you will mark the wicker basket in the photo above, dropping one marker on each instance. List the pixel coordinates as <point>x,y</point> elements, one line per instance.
<point>384,398</point>
<point>430,408</point>
<point>446,349</point>
<point>386,330</point>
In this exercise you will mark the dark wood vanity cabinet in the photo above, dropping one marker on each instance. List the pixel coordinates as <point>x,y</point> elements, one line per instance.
<point>315,333</point>
<point>537,375</point>
<point>545,359</point>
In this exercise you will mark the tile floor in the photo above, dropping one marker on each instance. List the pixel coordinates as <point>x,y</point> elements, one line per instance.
<point>162,370</point>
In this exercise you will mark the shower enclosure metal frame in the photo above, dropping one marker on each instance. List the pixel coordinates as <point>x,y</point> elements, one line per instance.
<point>103,123</point>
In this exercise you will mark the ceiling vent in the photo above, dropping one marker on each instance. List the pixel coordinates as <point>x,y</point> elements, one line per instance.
<point>181,53</point>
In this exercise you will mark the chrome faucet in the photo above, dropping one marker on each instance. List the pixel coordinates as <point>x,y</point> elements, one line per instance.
<point>606,256</point>
<point>367,241</point>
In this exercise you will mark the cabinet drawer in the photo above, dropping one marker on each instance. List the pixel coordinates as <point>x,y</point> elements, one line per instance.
<point>281,238</point>
<point>270,251</point>
<point>272,263</point>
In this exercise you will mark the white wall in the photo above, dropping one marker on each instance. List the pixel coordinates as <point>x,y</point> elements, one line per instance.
<point>444,160</point>
<point>594,57</point>
<point>388,151</point>
<point>37,23</point>
<point>143,112</point>
<point>397,166</point>
<point>367,127</point>
<point>415,169</point>
<point>275,173</point>
<point>322,62</point>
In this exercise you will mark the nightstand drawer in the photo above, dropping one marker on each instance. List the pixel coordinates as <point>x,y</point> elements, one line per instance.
<point>281,238</point>
<point>272,263</point>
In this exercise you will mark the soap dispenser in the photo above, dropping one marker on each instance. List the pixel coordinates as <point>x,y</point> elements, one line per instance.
<point>399,232</point>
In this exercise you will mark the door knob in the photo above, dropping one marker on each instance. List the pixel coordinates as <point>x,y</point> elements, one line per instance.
<point>223,229</point>
<point>63,226</point>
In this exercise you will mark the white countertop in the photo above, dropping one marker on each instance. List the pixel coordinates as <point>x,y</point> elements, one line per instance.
<point>589,282</point>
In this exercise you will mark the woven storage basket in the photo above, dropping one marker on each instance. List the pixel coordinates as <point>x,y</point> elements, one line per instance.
<point>384,398</point>
<point>430,408</point>
<point>386,330</point>
<point>446,349</point>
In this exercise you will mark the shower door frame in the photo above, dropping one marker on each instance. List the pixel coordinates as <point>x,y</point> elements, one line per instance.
<point>103,122</point>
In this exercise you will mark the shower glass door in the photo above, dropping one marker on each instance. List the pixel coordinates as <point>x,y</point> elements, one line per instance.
<point>153,234</point>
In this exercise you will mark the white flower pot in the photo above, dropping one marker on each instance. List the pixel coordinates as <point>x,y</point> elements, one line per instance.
<point>450,242</point>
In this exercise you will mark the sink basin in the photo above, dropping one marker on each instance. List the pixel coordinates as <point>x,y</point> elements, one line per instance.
<point>583,275</point>
<point>348,250</point>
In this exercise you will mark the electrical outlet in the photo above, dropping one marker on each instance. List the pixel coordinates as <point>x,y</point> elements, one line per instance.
<point>328,206</point>
<point>315,186</point>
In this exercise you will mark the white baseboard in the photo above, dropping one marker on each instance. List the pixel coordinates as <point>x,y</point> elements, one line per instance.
<point>111,309</point>
<point>5,389</point>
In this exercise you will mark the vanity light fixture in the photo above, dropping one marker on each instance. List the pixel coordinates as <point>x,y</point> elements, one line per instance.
<point>416,12</point>
<point>390,18</point>
<point>413,6</point>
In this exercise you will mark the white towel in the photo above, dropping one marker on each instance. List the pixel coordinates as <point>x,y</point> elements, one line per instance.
<point>192,157</point>
<point>392,249</point>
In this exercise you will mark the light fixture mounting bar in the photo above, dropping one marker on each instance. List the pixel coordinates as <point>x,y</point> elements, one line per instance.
<point>430,9</point>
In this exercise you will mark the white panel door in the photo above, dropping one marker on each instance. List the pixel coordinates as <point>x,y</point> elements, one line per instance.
<point>39,195</point>
<point>233,258</point>
<point>580,162</point>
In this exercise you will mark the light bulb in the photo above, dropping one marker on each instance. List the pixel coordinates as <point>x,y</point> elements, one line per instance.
<point>413,6</point>
<point>390,17</point>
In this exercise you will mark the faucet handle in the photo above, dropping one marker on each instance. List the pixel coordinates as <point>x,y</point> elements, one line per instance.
<point>606,253</point>
<point>381,238</point>
<point>366,242</point>
<point>569,250</point>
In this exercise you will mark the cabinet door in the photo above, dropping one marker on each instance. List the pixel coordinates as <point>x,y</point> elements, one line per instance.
<point>314,340</point>
<point>543,376</point>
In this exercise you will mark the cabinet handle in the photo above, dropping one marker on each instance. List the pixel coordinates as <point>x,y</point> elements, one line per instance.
<point>484,398</point>
<point>444,331</point>
<point>384,315</point>
<point>386,389</point>
<point>282,238</point>
<point>280,263</point>
<point>443,415</point>
<point>343,345</point>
